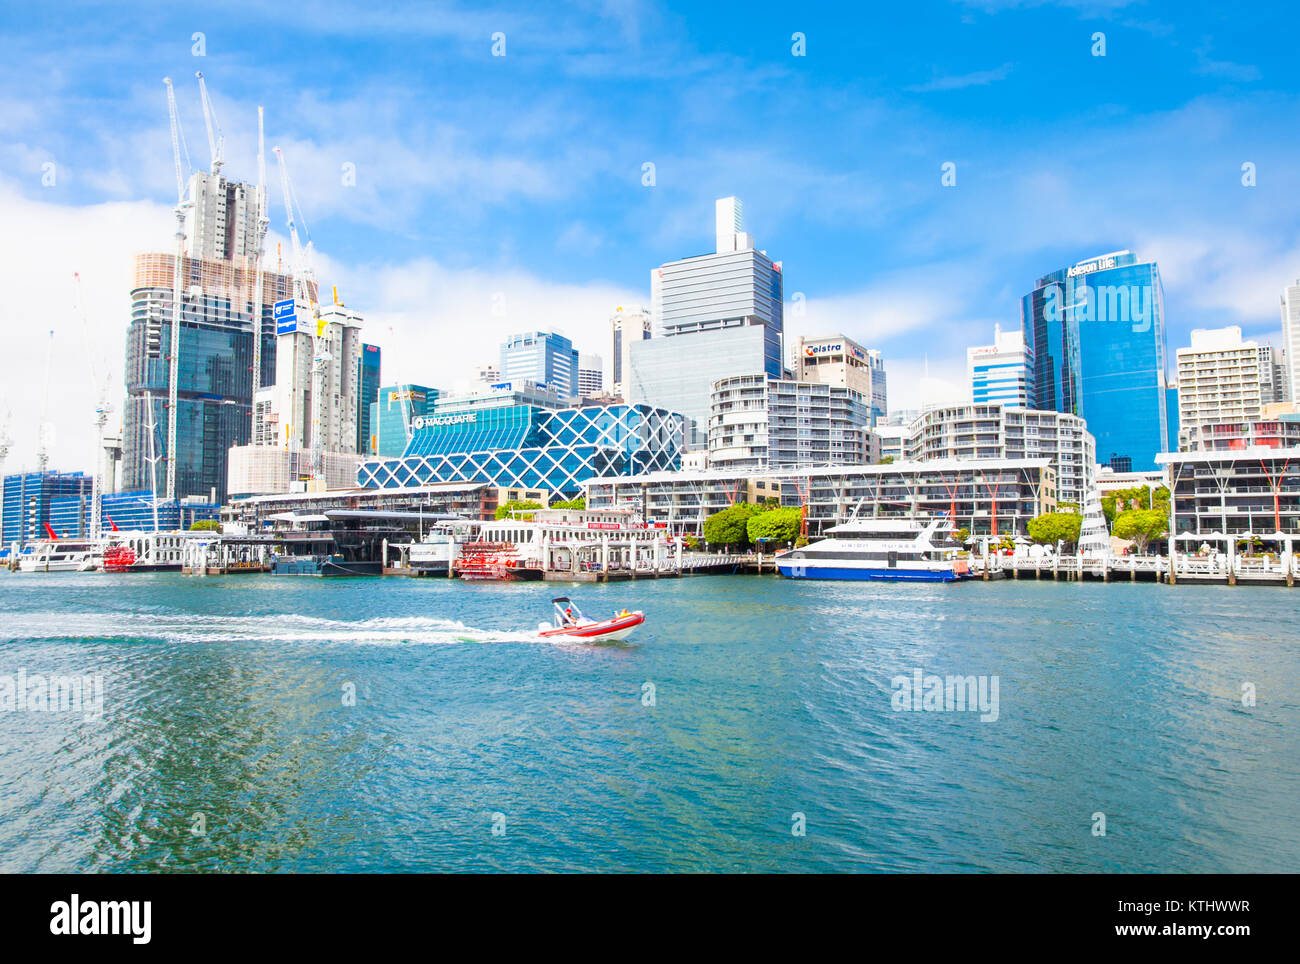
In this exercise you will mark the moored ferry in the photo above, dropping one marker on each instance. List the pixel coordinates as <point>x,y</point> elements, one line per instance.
<point>885,549</point>
<point>60,556</point>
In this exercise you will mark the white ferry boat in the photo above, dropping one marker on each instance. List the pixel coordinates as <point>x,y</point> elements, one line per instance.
<point>60,556</point>
<point>891,550</point>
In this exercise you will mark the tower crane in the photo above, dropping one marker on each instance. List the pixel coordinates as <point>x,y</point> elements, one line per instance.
<point>304,289</point>
<point>43,430</point>
<point>216,141</point>
<point>103,408</point>
<point>174,347</point>
<point>263,222</point>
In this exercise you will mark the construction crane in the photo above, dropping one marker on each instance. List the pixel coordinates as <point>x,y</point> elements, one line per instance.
<point>304,292</point>
<point>216,141</point>
<point>43,430</point>
<point>103,408</point>
<point>263,222</point>
<point>174,347</point>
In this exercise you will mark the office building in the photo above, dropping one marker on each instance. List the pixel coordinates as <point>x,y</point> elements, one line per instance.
<point>368,395</point>
<point>393,416</point>
<point>986,496</point>
<point>759,422</point>
<point>1096,333</point>
<point>1273,385</point>
<point>591,375</point>
<point>1003,371</point>
<point>893,441</point>
<point>996,431</point>
<point>544,358</point>
<point>719,314</point>
<point>218,325</point>
<point>841,361</point>
<point>518,438</point>
<point>1220,379</point>
<point>28,498</point>
<point>626,327</point>
<point>1289,354</point>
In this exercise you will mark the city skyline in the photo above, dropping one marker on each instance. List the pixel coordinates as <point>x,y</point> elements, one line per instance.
<point>553,215</point>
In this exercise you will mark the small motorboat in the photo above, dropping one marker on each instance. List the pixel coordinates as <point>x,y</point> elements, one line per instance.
<point>571,623</point>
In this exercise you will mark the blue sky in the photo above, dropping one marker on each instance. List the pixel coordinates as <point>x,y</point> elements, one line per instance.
<point>523,174</point>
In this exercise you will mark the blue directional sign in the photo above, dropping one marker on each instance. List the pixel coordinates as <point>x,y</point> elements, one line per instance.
<point>286,317</point>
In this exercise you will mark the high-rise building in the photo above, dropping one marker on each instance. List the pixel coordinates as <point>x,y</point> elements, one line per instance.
<point>626,328</point>
<point>544,358</point>
<point>367,395</point>
<point>1274,387</point>
<point>997,431</point>
<point>760,422</point>
<point>591,374</point>
<point>1219,380</point>
<point>1003,371</point>
<point>837,360</point>
<point>1096,331</point>
<point>720,314</point>
<point>218,324</point>
<point>1290,351</point>
<point>214,396</point>
<point>28,498</point>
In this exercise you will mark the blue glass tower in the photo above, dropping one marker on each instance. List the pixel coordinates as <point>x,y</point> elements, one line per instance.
<point>1097,333</point>
<point>368,394</point>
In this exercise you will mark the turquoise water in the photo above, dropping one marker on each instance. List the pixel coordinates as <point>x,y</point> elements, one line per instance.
<point>224,711</point>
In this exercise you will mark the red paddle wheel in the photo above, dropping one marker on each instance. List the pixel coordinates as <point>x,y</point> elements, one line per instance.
<point>118,558</point>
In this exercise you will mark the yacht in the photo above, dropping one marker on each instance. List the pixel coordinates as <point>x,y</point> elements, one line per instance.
<point>887,549</point>
<point>60,556</point>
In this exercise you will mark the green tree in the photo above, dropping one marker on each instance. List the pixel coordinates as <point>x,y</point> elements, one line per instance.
<point>512,508</point>
<point>1141,526</point>
<point>730,526</point>
<point>887,460</point>
<point>205,525</point>
<point>961,535</point>
<point>579,503</point>
<point>1138,497</point>
<point>775,525</point>
<point>1053,527</point>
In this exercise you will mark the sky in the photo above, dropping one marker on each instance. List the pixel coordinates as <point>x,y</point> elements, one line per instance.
<point>500,193</point>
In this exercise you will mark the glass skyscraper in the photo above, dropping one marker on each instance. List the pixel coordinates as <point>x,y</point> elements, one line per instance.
<point>543,358</point>
<point>367,395</point>
<point>1096,331</point>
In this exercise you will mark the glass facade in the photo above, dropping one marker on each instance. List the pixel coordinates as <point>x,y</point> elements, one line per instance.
<point>393,415</point>
<point>1096,332</point>
<point>678,373</point>
<point>367,395</point>
<point>543,358</point>
<point>28,499</point>
<point>532,447</point>
<point>214,394</point>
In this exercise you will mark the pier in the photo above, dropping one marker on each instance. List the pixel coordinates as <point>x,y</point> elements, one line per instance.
<point>1220,569</point>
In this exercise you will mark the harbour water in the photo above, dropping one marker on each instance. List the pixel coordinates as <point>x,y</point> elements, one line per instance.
<point>226,742</point>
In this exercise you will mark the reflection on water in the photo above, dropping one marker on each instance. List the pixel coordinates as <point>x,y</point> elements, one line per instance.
<point>254,723</point>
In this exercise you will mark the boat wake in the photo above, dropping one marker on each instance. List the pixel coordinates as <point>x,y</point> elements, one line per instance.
<point>196,628</point>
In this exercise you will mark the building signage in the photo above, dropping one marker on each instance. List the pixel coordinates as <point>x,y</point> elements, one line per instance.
<point>428,421</point>
<point>501,387</point>
<point>1088,267</point>
<point>822,349</point>
<point>603,525</point>
<point>286,317</point>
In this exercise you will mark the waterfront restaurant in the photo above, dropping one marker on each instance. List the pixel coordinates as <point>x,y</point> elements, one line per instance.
<point>986,496</point>
<point>1252,492</point>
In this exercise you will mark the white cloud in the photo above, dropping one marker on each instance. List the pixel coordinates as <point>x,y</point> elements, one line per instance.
<point>434,323</point>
